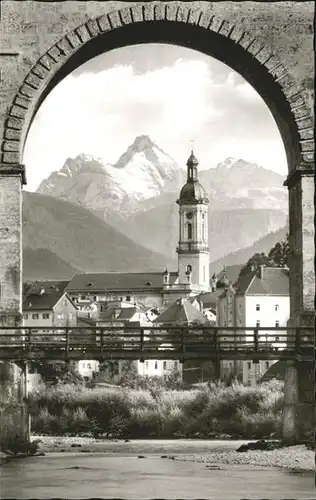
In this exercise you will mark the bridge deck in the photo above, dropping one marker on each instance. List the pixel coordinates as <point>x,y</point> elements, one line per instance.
<point>184,343</point>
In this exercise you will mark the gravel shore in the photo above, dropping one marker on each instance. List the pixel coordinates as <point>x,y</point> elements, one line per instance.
<point>292,457</point>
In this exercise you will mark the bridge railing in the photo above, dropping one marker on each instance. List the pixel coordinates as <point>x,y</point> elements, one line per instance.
<point>189,339</point>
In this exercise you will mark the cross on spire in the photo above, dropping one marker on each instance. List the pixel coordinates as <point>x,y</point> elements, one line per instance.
<point>192,142</point>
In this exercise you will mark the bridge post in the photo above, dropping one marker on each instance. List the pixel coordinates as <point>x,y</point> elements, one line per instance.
<point>13,378</point>
<point>299,399</point>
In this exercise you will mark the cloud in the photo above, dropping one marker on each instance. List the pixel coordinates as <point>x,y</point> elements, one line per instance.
<point>101,112</point>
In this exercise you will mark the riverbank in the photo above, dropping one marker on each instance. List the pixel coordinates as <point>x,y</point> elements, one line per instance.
<point>202,451</point>
<point>291,457</point>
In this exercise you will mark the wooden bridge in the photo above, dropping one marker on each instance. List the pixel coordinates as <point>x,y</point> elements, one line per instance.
<point>183,343</point>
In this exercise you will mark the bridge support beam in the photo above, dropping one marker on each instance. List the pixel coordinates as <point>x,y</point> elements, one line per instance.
<point>299,399</point>
<point>15,420</point>
<point>299,416</point>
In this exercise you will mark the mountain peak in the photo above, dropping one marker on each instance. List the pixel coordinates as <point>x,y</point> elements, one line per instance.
<point>142,142</point>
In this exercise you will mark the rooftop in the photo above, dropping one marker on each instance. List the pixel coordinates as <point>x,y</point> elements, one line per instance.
<point>96,282</point>
<point>44,301</point>
<point>181,312</point>
<point>267,281</point>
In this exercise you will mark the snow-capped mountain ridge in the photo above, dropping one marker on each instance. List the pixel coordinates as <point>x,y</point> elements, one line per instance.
<point>145,173</point>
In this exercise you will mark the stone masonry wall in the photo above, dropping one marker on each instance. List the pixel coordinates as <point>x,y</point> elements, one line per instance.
<point>30,28</point>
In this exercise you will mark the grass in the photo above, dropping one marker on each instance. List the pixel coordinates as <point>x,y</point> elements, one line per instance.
<point>212,411</point>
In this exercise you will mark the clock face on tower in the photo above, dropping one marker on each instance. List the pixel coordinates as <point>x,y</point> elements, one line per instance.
<point>189,215</point>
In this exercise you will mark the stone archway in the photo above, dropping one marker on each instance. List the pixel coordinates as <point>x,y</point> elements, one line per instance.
<point>199,26</point>
<point>178,24</point>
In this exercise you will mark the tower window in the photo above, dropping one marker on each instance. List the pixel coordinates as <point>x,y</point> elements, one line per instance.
<point>189,231</point>
<point>156,365</point>
<point>257,307</point>
<point>203,273</point>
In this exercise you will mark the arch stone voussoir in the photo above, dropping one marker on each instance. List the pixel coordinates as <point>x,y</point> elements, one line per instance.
<point>25,102</point>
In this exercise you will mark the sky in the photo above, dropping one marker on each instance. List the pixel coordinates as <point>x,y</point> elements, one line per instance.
<point>173,94</point>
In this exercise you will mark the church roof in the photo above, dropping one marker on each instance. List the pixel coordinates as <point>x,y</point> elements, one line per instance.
<point>181,312</point>
<point>99,282</point>
<point>192,192</point>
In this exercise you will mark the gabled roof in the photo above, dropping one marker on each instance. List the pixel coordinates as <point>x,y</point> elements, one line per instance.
<point>181,311</point>
<point>45,301</point>
<point>275,281</point>
<point>99,282</point>
<point>268,281</point>
<point>242,285</point>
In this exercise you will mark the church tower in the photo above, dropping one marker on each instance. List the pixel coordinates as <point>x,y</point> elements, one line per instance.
<point>193,249</point>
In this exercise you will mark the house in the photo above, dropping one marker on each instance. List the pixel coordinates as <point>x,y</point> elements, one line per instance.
<point>259,298</point>
<point>51,307</point>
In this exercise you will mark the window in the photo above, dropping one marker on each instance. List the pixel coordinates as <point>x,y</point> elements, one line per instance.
<point>156,365</point>
<point>267,365</point>
<point>189,231</point>
<point>128,298</point>
<point>83,365</point>
<point>45,315</point>
<point>277,338</point>
<point>249,365</point>
<point>276,307</point>
<point>176,364</point>
<point>25,316</point>
<point>165,365</point>
<point>257,307</point>
<point>95,298</point>
<point>203,273</point>
<point>277,323</point>
<point>35,316</point>
<point>258,323</point>
<point>60,316</point>
<point>146,365</point>
<point>65,302</point>
<point>89,366</point>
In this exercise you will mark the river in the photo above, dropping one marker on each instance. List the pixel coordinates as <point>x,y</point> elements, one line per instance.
<point>124,475</point>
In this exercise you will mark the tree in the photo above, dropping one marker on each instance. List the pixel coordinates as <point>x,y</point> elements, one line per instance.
<point>278,256</point>
<point>254,263</point>
<point>280,252</point>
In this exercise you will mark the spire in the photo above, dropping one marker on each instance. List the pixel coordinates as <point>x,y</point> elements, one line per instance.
<point>192,172</point>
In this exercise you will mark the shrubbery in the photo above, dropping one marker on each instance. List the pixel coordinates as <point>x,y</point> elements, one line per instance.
<point>208,412</point>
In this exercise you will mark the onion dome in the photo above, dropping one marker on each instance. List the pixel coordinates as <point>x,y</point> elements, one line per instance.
<point>192,191</point>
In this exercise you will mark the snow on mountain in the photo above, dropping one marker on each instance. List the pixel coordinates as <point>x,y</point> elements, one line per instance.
<point>144,171</point>
<point>145,176</point>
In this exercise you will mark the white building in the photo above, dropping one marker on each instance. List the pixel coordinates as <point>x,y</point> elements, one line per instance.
<point>257,299</point>
<point>160,368</point>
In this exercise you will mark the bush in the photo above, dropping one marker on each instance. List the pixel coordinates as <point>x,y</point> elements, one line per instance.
<point>209,411</point>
